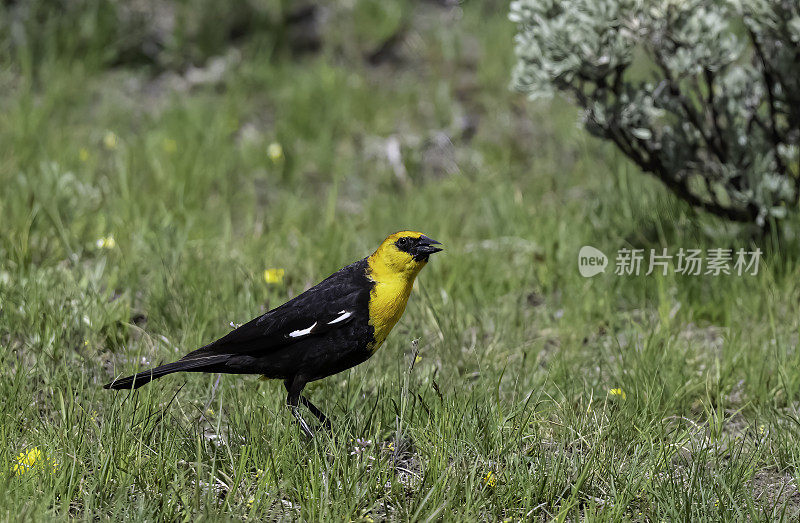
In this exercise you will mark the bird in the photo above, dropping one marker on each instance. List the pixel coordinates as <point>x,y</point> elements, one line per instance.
<point>333,326</point>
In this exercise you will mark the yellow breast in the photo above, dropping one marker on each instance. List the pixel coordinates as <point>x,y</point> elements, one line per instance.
<point>387,302</point>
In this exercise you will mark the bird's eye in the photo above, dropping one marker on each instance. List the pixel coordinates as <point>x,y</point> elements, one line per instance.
<point>403,242</point>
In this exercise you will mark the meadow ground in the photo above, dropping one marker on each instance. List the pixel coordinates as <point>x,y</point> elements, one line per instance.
<point>140,211</point>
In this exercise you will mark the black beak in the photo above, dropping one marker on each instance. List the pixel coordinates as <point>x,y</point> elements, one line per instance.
<point>425,247</point>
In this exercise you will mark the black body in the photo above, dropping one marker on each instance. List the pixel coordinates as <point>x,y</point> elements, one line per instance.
<point>265,344</point>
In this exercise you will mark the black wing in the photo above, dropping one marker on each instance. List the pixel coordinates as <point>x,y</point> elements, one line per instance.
<point>332,303</point>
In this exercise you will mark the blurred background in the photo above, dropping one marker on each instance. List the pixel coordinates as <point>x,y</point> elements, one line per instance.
<point>170,168</point>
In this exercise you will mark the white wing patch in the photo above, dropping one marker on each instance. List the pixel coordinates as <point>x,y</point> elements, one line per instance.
<point>302,332</point>
<point>343,315</point>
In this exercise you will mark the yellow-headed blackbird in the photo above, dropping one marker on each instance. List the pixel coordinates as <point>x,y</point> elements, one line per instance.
<point>335,325</point>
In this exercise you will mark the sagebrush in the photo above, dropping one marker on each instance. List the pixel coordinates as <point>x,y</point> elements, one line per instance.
<point>705,94</point>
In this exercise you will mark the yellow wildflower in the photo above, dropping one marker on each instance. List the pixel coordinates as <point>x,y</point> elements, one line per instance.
<point>490,480</point>
<point>29,459</point>
<point>275,152</point>
<point>26,460</point>
<point>106,243</point>
<point>83,154</point>
<point>274,275</point>
<point>617,392</point>
<point>169,145</point>
<point>418,359</point>
<point>110,140</point>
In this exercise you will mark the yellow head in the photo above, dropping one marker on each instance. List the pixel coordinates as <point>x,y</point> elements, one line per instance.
<point>393,268</point>
<point>403,253</point>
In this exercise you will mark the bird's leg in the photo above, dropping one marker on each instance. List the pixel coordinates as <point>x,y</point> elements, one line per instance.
<point>316,412</point>
<point>303,425</point>
<point>293,388</point>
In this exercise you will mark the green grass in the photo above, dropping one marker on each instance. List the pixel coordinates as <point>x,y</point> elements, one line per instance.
<point>502,365</point>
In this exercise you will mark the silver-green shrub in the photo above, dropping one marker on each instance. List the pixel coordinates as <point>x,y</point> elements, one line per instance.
<point>704,94</point>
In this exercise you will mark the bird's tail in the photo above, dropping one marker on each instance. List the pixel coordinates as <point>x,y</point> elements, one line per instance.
<point>206,363</point>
